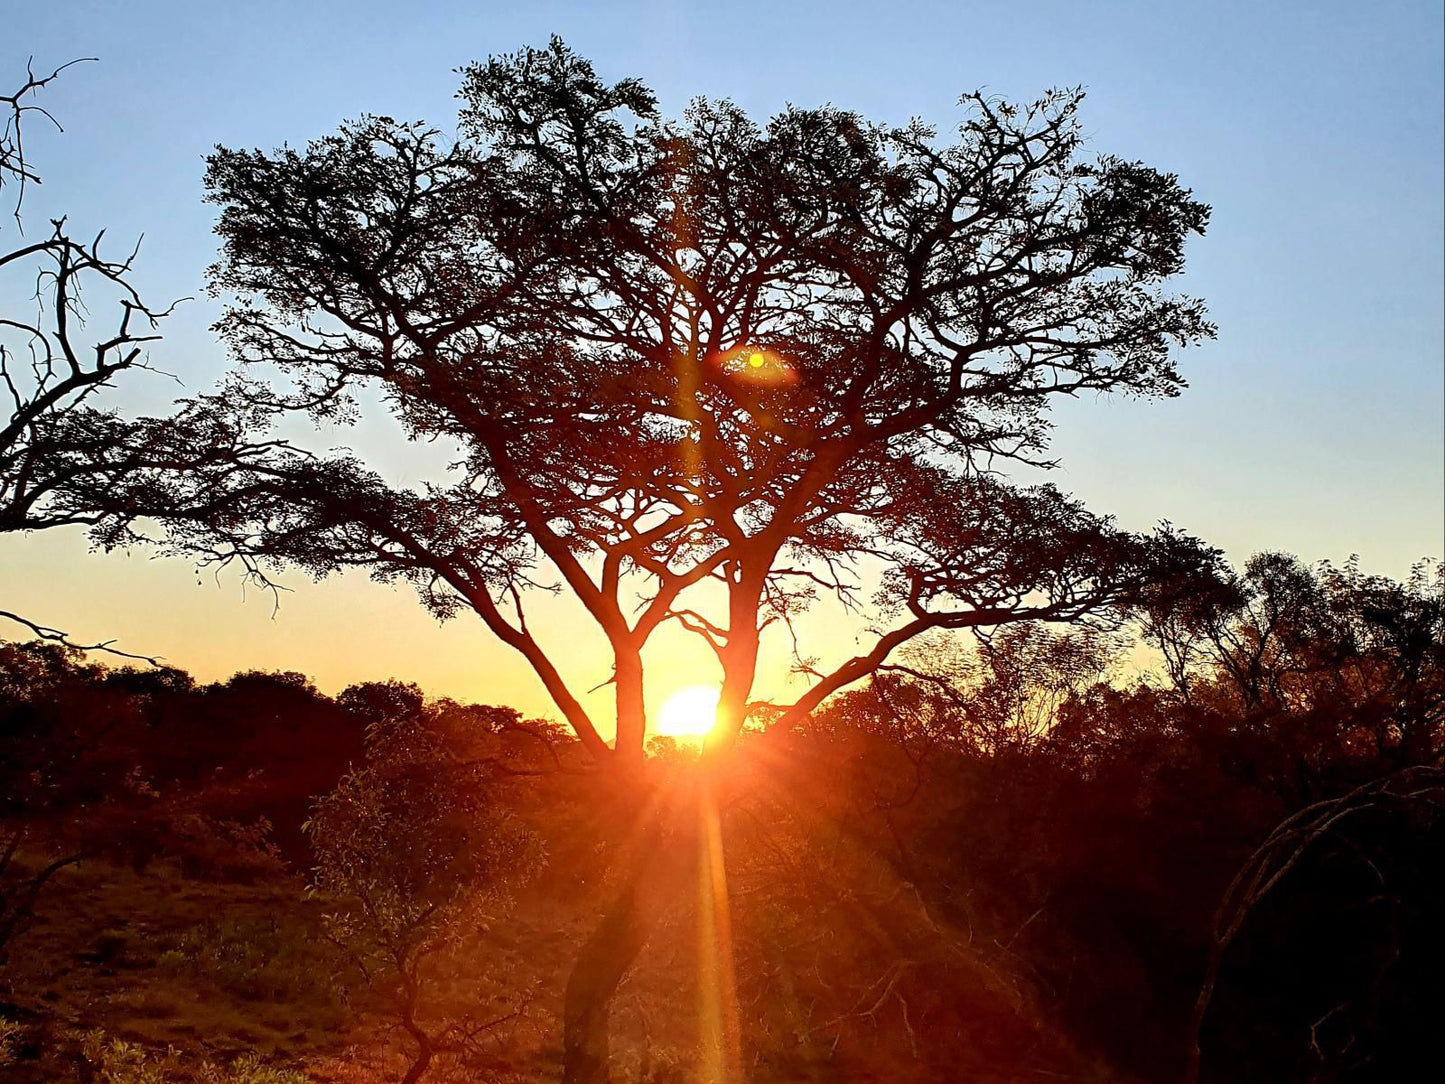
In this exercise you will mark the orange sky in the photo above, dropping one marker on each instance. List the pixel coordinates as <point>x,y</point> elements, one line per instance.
<point>348,629</point>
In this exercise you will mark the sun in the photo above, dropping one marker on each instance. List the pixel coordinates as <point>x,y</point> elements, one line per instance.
<point>689,712</point>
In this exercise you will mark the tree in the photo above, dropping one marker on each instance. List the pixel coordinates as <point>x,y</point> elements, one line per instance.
<point>50,373</point>
<point>1338,671</point>
<point>678,357</point>
<point>413,852</point>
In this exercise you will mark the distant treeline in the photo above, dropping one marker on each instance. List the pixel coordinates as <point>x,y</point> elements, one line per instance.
<point>131,761</point>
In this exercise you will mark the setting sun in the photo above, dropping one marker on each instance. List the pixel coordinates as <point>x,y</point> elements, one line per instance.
<point>689,712</point>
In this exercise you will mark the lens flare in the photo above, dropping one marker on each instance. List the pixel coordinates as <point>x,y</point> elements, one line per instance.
<point>717,982</point>
<point>758,365</point>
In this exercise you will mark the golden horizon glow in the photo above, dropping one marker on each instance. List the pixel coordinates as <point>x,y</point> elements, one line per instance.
<point>691,713</point>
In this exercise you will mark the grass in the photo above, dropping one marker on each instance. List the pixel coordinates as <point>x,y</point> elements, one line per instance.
<point>213,971</point>
<point>159,978</point>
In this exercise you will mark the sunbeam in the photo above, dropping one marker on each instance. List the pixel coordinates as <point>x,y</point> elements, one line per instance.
<point>717,983</point>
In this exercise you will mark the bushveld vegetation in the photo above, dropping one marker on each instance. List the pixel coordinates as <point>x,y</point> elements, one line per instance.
<point>696,373</point>
<point>1001,862</point>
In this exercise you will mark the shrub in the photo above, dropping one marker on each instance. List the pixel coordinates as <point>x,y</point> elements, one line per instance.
<point>10,1036</point>
<point>414,849</point>
<point>219,849</point>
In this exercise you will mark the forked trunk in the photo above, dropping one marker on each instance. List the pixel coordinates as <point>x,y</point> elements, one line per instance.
<point>603,962</point>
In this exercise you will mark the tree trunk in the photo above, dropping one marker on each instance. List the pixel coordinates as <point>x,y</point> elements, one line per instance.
<point>422,1061</point>
<point>603,962</point>
<point>419,1064</point>
<point>608,954</point>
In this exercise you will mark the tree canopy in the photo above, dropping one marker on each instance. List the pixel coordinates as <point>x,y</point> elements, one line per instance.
<point>674,354</point>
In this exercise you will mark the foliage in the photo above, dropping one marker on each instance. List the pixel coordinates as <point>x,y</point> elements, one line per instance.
<point>673,354</point>
<point>1330,665</point>
<point>10,1034</point>
<point>217,848</point>
<point>414,851</point>
<point>1268,813</point>
<point>998,694</point>
<point>698,372</point>
<point>262,960</point>
<point>51,774</point>
<point>139,765</point>
<point>146,763</point>
<point>1015,858</point>
<point>415,839</point>
<point>675,357</point>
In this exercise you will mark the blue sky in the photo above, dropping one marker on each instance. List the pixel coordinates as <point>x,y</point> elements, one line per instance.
<point>1315,424</point>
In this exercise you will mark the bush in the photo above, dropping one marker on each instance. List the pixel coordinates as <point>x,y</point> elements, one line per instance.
<point>414,850</point>
<point>224,850</point>
<point>10,1036</point>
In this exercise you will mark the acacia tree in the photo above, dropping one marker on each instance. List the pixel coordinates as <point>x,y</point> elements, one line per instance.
<point>680,360</point>
<point>50,367</point>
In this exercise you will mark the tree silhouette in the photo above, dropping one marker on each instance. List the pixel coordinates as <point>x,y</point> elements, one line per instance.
<point>49,369</point>
<point>1317,660</point>
<point>680,360</point>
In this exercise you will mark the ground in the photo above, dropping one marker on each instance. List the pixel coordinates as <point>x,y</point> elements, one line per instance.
<point>214,971</point>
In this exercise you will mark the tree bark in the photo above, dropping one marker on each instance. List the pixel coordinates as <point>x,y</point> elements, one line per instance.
<point>601,966</point>
<point>608,954</point>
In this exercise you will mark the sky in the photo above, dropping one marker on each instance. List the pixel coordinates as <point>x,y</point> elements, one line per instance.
<point>1314,424</point>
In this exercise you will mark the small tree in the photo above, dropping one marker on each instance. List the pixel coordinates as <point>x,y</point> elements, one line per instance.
<point>698,373</point>
<point>413,851</point>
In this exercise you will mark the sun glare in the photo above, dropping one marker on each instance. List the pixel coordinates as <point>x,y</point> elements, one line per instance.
<point>688,713</point>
